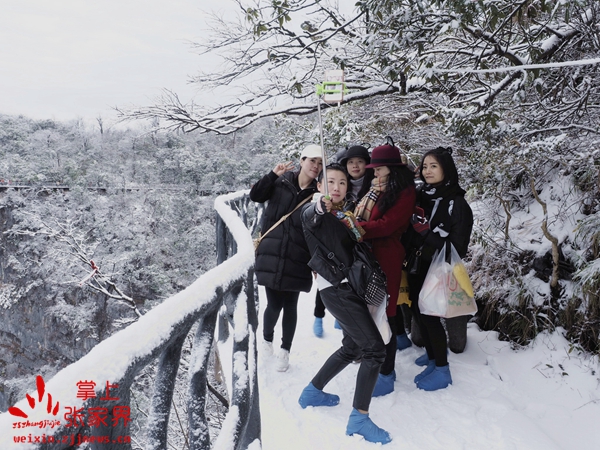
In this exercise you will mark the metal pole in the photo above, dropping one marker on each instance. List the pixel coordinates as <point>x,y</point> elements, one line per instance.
<point>323,156</point>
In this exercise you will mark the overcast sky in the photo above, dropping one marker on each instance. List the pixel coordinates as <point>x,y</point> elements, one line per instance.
<point>66,59</point>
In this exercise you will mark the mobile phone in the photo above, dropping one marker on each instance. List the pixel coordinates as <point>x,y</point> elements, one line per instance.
<point>334,86</point>
<point>420,213</point>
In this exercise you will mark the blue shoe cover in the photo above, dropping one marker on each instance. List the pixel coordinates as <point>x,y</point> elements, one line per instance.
<point>385,384</point>
<point>403,342</point>
<point>422,360</point>
<point>337,325</point>
<point>362,425</point>
<point>311,396</point>
<point>318,327</point>
<point>440,378</point>
<point>430,368</point>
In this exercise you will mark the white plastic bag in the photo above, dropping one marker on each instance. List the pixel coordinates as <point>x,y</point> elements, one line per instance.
<point>380,317</point>
<point>461,301</point>
<point>432,298</point>
<point>442,295</point>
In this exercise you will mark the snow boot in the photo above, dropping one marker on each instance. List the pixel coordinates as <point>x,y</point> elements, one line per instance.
<point>362,425</point>
<point>422,360</point>
<point>440,378</point>
<point>311,396</point>
<point>318,327</point>
<point>430,368</point>
<point>267,348</point>
<point>283,360</point>
<point>403,342</point>
<point>385,384</point>
<point>337,325</point>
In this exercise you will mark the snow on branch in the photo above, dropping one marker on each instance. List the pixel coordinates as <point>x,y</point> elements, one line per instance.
<point>553,65</point>
<point>274,53</point>
<point>224,120</point>
<point>76,248</point>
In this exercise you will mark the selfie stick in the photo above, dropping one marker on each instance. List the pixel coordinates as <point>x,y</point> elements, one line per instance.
<point>332,91</point>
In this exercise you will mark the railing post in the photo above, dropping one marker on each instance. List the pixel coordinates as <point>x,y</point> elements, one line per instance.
<point>116,421</point>
<point>248,398</point>
<point>222,249</point>
<point>221,230</point>
<point>199,437</point>
<point>164,384</point>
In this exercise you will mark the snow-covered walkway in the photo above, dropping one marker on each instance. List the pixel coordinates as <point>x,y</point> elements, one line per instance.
<point>541,397</point>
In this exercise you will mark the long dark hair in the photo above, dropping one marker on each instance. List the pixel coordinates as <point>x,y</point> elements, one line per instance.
<point>443,155</point>
<point>366,184</point>
<point>399,178</point>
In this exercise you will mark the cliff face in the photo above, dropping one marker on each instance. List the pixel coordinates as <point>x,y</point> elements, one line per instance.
<point>148,244</point>
<point>44,324</point>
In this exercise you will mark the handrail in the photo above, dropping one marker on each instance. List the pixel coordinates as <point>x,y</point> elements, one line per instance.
<point>228,289</point>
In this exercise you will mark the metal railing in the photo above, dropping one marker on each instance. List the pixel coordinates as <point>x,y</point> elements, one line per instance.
<point>226,295</point>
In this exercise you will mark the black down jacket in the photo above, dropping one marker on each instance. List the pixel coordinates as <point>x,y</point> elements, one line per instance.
<point>282,255</point>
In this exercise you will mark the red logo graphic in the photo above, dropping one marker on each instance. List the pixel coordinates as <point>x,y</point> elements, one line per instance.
<point>41,388</point>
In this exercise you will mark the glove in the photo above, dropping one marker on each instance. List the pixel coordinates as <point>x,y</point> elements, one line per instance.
<point>321,206</point>
<point>420,224</point>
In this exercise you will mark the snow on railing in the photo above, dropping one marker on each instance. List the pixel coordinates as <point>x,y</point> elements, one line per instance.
<point>109,369</point>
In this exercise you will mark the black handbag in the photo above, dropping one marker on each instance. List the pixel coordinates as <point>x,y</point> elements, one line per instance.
<point>412,262</point>
<point>366,276</point>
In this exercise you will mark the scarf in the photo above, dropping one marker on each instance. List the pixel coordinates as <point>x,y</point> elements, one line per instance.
<point>365,206</point>
<point>349,220</point>
<point>338,206</point>
<point>433,195</point>
<point>356,186</point>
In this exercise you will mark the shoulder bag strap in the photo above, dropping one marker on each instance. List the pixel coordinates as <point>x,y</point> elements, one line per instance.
<point>285,217</point>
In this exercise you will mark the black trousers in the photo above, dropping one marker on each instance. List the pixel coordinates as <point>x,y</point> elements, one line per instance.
<point>319,306</point>
<point>276,302</point>
<point>361,340</point>
<point>432,330</point>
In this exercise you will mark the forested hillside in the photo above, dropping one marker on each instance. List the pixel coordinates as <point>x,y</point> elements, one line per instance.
<point>135,204</point>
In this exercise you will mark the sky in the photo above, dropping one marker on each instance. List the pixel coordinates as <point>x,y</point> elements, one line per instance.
<point>70,59</point>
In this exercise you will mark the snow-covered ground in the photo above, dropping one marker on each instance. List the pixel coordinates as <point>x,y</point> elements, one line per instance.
<point>542,397</point>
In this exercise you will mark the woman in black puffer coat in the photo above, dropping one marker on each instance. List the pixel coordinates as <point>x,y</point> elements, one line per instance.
<point>282,255</point>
